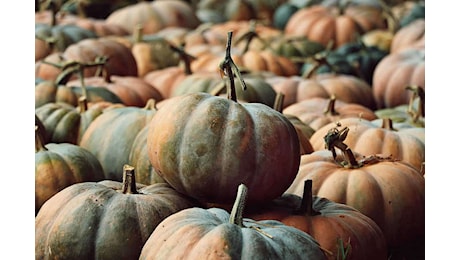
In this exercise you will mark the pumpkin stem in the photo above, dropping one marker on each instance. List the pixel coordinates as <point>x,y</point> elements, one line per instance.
<point>185,58</point>
<point>250,35</point>
<point>387,123</point>
<point>392,21</point>
<point>39,140</point>
<point>137,33</point>
<point>330,109</point>
<point>320,59</point>
<point>151,104</point>
<point>236,216</point>
<point>279,102</point>
<point>83,104</point>
<point>306,206</point>
<point>129,180</point>
<point>334,139</point>
<point>419,92</point>
<point>229,68</point>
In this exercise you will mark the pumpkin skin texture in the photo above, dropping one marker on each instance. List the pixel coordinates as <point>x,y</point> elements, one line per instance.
<point>198,233</point>
<point>58,166</point>
<point>394,73</point>
<point>111,136</point>
<point>324,24</point>
<point>318,112</point>
<point>326,221</point>
<point>391,193</point>
<point>205,146</point>
<point>101,220</point>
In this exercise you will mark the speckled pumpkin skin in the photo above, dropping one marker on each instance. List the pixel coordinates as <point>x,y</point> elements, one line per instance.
<point>95,220</point>
<point>205,146</point>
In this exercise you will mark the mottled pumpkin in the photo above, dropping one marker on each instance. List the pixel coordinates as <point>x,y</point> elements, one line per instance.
<point>205,146</point>
<point>199,233</point>
<point>104,220</point>
<point>58,166</point>
<point>342,231</point>
<point>390,192</point>
<point>112,134</point>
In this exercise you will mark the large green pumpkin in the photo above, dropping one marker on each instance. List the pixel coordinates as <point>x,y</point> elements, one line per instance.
<point>104,220</point>
<point>205,146</point>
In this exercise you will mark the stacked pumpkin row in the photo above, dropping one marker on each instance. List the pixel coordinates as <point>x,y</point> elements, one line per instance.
<point>141,143</point>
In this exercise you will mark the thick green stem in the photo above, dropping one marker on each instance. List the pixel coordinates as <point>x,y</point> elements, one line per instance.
<point>129,180</point>
<point>236,216</point>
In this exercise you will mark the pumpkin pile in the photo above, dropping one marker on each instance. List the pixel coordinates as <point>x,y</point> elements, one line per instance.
<point>242,129</point>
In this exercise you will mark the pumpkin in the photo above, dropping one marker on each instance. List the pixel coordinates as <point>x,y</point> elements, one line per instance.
<point>257,89</point>
<point>65,123</point>
<point>342,231</point>
<point>117,59</point>
<point>390,192</point>
<point>49,92</point>
<point>338,25</point>
<point>111,135</point>
<point>379,137</point>
<point>198,233</point>
<point>412,113</point>
<point>318,112</point>
<point>58,166</point>
<point>139,159</point>
<point>104,220</point>
<point>154,16</point>
<point>346,88</point>
<point>132,91</point>
<point>352,58</point>
<point>219,11</point>
<point>410,36</point>
<point>197,137</point>
<point>165,80</point>
<point>58,37</point>
<point>396,71</point>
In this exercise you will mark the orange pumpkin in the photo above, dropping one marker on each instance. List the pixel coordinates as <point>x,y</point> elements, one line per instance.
<point>340,25</point>
<point>391,193</point>
<point>409,36</point>
<point>337,227</point>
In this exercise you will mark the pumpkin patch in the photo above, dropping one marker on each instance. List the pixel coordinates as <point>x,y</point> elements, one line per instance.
<point>242,129</point>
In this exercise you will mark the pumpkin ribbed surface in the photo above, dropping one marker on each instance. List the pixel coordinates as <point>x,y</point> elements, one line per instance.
<point>205,146</point>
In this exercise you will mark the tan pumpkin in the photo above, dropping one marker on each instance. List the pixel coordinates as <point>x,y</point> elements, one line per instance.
<point>342,231</point>
<point>379,137</point>
<point>165,80</point>
<point>317,112</point>
<point>390,192</point>
<point>346,88</point>
<point>409,36</point>
<point>154,16</point>
<point>394,73</point>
